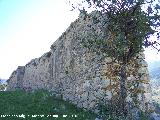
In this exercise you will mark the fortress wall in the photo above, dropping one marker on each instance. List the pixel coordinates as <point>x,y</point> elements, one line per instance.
<point>79,75</point>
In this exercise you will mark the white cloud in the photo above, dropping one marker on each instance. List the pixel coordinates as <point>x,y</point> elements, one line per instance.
<point>151,55</point>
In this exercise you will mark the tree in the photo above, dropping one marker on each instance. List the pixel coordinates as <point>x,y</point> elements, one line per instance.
<point>131,23</point>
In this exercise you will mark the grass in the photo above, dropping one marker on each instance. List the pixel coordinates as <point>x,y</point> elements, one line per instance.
<point>39,103</point>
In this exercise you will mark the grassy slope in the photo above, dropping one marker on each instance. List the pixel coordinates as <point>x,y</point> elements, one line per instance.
<point>42,103</point>
<point>39,103</point>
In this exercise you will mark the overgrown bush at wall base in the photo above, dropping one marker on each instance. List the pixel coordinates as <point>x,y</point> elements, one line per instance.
<point>3,87</point>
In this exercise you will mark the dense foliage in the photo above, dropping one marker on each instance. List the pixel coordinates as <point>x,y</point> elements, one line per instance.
<point>3,87</point>
<point>130,26</point>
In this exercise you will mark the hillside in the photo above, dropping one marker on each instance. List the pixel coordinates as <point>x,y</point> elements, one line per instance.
<point>3,81</point>
<point>154,70</point>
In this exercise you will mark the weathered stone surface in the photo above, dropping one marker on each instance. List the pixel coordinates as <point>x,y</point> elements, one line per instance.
<point>77,74</point>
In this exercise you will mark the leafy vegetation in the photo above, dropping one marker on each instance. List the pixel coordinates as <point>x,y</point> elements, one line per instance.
<point>130,23</point>
<point>3,87</point>
<point>39,103</point>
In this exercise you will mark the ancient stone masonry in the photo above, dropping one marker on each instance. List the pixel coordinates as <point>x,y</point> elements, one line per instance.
<point>79,75</point>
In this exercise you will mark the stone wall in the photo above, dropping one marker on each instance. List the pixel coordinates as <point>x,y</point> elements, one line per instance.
<point>79,75</point>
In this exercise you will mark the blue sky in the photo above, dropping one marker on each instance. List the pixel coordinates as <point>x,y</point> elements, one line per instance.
<point>29,27</point>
